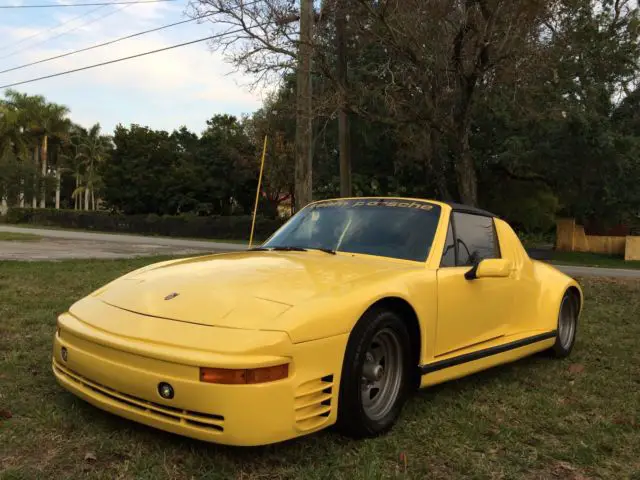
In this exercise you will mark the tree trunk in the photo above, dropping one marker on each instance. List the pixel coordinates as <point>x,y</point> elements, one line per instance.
<point>344,140</point>
<point>21,194</point>
<point>304,155</point>
<point>58,185</point>
<point>45,147</point>
<point>76,197</point>
<point>93,200</point>
<point>86,199</point>
<point>344,137</point>
<point>464,165</point>
<point>292,189</point>
<point>3,206</point>
<point>466,171</point>
<point>34,194</point>
<point>438,168</point>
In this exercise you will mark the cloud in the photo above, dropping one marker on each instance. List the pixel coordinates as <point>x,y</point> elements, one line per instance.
<point>146,89</point>
<point>12,35</point>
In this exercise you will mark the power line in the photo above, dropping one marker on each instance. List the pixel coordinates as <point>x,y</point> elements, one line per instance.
<point>57,5</point>
<point>104,44</point>
<point>111,41</point>
<point>37,34</point>
<point>93,20</point>
<point>116,60</point>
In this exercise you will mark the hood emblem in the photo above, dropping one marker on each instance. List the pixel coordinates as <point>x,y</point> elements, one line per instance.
<point>171,296</point>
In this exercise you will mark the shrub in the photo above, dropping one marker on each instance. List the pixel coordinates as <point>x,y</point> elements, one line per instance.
<point>232,227</point>
<point>531,207</point>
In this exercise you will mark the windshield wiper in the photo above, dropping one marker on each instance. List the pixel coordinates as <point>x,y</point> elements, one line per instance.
<point>291,249</point>
<point>325,250</point>
<point>278,249</point>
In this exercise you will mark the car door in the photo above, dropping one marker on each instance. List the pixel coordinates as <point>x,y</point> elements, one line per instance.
<point>470,312</point>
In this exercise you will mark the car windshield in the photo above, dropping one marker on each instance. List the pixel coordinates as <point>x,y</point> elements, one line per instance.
<point>389,228</point>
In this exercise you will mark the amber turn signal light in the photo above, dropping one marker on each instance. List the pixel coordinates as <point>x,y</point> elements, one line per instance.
<point>244,376</point>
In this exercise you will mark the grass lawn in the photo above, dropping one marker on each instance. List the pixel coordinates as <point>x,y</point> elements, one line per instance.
<point>593,260</point>
<point>18,237</point>
<point>535,419</point>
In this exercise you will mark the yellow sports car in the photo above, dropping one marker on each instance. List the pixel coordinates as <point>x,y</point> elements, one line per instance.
<point>334,320</point>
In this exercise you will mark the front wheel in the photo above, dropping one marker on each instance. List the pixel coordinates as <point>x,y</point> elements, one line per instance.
<point>375,380</point>
<point>567,326</point>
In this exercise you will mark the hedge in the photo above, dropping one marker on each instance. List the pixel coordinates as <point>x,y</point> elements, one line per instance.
<point>233,227</point>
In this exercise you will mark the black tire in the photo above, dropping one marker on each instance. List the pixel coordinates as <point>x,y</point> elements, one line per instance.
<point>567,326</point>
<point>353,419</point>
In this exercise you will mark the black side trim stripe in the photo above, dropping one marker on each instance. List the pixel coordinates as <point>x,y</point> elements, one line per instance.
<point>487,352</point>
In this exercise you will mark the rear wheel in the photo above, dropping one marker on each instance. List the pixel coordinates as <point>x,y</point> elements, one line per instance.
<point>567,326</point>
<point>375,375</point>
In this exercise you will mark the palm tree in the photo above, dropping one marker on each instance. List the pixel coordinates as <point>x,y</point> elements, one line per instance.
<point>40,121</point>
<point>27,108</point>
<point>53,122</point>
<point>94,149</point>
<point>72,160</point>
<point>16,141</point>
<point>7,129</point>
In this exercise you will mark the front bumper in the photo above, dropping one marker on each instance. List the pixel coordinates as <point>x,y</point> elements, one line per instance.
<point>121,375</point>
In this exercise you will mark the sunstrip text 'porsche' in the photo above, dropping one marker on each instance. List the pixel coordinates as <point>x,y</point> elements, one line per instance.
<point>335,319</point>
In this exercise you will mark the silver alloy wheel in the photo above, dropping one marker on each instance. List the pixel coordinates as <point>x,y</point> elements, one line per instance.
<point>382,374</point>
<point>566,323</point>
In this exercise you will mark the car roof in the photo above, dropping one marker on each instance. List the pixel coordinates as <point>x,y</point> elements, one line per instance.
<point>459,207</point>
<point>456,207</point>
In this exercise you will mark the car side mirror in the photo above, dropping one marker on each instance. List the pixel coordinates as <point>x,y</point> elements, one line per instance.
<point>490,268</point>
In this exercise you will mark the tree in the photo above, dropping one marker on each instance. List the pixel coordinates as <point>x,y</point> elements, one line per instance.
<point>228,158</point>
<point>538,121</point>
<point>25,110</point>
<point>268,39</point>
<point>37,122</point>
<point>276,121</point>
<point>13,149</point>
<point>156,172</point>
<point>139,171</point>
<point>555,125</point>
<point>93,149</point>
<point>50,121</point>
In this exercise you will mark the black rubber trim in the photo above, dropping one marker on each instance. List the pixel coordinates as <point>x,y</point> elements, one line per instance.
<point>458,207</point>
<point>487,352</point>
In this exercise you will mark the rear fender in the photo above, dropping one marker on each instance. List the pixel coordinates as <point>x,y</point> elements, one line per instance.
<point>553,285</point>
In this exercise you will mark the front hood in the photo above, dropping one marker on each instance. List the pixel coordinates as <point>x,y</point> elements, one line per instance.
<point>239,290</point>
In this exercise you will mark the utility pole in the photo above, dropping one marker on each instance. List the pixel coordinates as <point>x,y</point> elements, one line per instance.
<point>304,140</point>
<point>344,134</point>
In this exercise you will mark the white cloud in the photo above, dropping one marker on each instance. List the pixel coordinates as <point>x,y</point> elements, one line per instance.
<point>12,35</point>
<point>145,89</point>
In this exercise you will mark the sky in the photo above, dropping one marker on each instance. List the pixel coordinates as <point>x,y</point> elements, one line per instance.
<point>185,86</point>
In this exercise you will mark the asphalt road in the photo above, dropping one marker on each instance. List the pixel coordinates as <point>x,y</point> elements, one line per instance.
<point>118,238</point>
<point>62,245</point>
<point>71,244</point>
<point>578,271</point>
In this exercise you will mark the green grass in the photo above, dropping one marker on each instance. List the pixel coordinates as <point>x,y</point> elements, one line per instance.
<point>18,237</point>
<point>593,260</point>
<point>535,419</point>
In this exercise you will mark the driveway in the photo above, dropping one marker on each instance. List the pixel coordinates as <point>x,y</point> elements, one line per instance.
<point>65,244</point>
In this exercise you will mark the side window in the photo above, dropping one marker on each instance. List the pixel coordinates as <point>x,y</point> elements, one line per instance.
<point>449,253</point>
<point>475,238</point>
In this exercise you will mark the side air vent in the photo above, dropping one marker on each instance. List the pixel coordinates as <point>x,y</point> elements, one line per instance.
<point>313,403</point>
